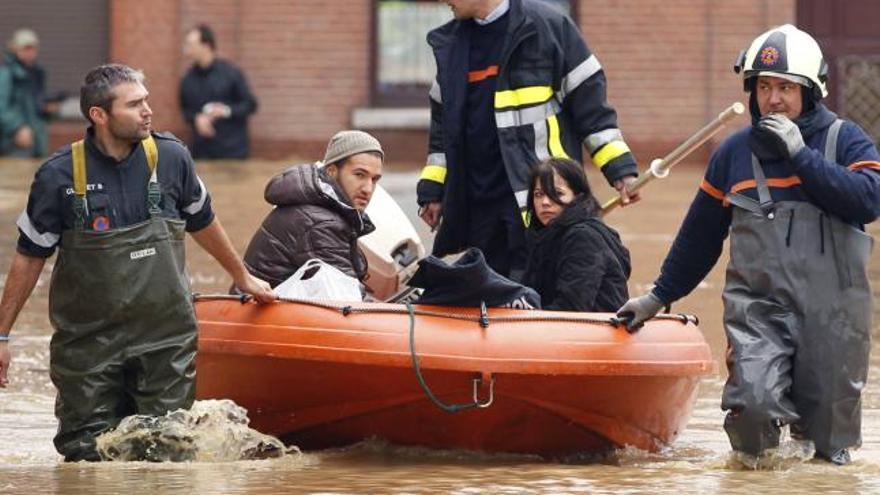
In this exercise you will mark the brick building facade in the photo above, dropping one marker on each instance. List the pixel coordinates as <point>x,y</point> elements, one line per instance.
<point>311,63</point>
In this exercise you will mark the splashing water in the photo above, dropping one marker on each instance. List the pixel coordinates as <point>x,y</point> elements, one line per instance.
<point>210,431</point>
<point>789,454</point>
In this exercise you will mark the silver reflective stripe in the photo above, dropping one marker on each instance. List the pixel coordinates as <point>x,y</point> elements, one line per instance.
<point>598,139</point>
<point>578,75</point>
<point>438,159</point>
<point>541,150</point>
<point>526,116</point>
<point>831,141</point>
<point>46,240</point>
<point>434,93</point>
<point>196,206</point>
<point>522,198</point>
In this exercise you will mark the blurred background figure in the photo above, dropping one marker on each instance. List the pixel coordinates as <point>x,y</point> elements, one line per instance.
<point>215,99</point>
<point>24,108</point>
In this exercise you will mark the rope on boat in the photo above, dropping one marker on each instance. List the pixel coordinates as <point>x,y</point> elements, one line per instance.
<point>483,319</point>
<point>347,309</point>
<point>450,408</point>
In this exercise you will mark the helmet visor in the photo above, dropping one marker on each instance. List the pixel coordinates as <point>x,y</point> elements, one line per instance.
<point>803,81</point>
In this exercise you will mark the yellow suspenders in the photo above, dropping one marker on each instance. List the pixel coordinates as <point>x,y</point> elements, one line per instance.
<point>79,162</point>
<point>79,167</point>
<point>149,145</point>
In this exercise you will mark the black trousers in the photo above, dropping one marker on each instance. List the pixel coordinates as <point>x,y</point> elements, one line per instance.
<point>496,227</point>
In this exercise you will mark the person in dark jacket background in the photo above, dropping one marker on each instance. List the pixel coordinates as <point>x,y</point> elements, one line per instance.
<point>215,99</point>
<point>576,262</point>
<point>23,106</point>
<point>319,211</point>
<point>516,84</point>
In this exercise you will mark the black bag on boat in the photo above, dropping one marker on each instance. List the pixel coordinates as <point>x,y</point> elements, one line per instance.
<point>469,281</point>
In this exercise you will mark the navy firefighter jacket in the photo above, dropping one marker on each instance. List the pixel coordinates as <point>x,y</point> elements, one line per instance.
<point>116,193</point>
<point>848,189</point>
<point>549,101</point>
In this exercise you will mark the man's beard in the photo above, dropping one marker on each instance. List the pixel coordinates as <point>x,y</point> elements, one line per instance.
<point>132,133</point>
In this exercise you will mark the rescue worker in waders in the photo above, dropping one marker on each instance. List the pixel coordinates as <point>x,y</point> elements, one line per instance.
<point>116,205</point>
<point>516,84</point>
<point>794,191</point>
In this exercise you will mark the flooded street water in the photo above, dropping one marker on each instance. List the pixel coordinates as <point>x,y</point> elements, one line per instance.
<point>696,463</point>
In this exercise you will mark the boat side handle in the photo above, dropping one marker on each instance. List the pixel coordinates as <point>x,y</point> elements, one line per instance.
<point>477,386</point>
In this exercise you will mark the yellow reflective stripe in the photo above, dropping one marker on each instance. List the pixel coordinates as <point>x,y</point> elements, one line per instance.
<point>151,152</point>
<point>79,167</point>
<point>526,217</point>
<point>523,96</point>
<point>609,152</point>
<point>435,173</point>
<point>555,142</point>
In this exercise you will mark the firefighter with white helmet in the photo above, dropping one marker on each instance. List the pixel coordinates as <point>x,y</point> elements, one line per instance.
<point>794,191</point>
<point>785,52</point>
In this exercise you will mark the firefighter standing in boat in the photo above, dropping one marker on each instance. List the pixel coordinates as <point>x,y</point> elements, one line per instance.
<point>794,191</point>
<point>117,205</point>
<point>515,85</point>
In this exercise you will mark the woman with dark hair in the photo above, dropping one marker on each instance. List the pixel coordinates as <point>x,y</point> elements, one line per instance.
<point>576,262</point>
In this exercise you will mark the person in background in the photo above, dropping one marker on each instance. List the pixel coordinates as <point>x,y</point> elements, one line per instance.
<point>23,106</point>
<point>319,211</point>
<point>215,99</point>
<point>576,262</point>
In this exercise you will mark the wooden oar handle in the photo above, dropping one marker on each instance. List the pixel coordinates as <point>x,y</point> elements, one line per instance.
<point>660,167</point>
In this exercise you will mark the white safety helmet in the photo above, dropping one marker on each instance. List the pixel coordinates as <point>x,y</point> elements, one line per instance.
<point>785,52</point>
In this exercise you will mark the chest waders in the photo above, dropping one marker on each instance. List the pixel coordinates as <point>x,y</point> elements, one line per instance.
<point>125,329</point>
<point>797,314</point>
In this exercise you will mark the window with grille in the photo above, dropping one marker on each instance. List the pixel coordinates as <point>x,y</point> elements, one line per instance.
<point>404,64</point>
<point>859,92</point>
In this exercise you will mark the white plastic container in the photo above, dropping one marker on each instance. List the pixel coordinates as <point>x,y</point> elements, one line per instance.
<point>392,250</point>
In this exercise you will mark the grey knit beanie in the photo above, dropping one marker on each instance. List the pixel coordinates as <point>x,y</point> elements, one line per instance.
<point>347,143</point>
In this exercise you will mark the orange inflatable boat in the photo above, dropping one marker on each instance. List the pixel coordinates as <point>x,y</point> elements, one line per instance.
<point>554,384</point>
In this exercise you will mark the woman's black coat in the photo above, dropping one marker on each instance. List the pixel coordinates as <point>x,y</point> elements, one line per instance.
<point>577,263</point>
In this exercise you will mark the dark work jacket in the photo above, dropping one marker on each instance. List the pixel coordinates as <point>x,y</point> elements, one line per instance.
<point>849,189</point>
<point>313,218</point>
<point>470,281</point>
<point>221,82</point>
<point>563,110</point>
<point>116,193</point>
<point>577,263</point>
<point>22,97</point>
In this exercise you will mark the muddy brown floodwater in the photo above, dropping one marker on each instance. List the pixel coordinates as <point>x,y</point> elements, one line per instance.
<point>696,463</point>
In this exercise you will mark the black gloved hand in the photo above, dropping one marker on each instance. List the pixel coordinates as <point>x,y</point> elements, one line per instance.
<point>764,145</point>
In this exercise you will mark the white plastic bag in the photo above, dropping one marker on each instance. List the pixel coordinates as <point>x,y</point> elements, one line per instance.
<point>324,282</point>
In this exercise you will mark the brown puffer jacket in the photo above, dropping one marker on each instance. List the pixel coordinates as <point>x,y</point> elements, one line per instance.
<point>313,218</point>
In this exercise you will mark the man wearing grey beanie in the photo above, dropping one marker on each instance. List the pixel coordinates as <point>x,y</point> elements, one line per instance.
<point>319,211</point>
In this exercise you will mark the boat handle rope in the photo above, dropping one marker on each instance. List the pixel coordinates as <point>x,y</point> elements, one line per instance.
<point>450,408</point>
<point>483,318</point>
